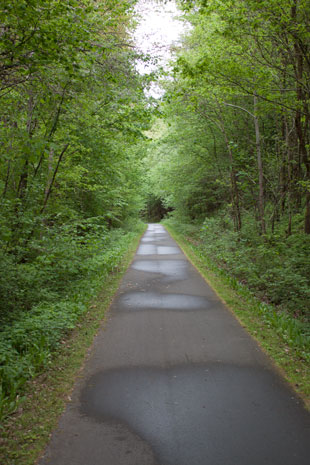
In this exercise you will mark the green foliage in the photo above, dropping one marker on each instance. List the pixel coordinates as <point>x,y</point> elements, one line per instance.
<point>276,270</point>
<point>283,302</point>
<point>236,111</point>
<point>27,343</point>
<point>52,263</point>
<point>275,267</point>
<point>73,113</point>
<point>154,209</point>
<point>233,161</point>
<point>179,172</point>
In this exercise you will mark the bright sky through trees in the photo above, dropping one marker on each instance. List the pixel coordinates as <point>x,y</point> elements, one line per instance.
<point>158,30</point>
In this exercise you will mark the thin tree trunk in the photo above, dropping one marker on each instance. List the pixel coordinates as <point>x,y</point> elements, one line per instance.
<point>261,200</point>
<point>301,123</point>
<point>49,189</point>
<point>49,136</point>
<point>307,215</point>
<point>6,184</point>
<point>23,181</point>
<point>289,177</point>
<point>234,185</point>
<point>233,177</point>
<point>49,173</point>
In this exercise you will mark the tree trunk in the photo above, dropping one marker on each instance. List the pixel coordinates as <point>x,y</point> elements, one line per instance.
<point>302,120</point>
<point>234,187</point>
<point>307,215</point>
<point>233,177</point>
<point>261,200</point>
<point>6,184</point>
<point>49,189</point>
<point>23,182</point>
<point>49,173</point>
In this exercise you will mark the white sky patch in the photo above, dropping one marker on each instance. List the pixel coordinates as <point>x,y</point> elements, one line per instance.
<point>158,30</point>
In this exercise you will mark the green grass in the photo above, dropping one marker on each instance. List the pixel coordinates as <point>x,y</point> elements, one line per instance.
<point>276,334</point>
<point>25,433</point>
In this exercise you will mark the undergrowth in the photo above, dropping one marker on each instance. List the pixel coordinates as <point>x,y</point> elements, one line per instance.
<point>60,281</point>
<point>281,334</point>
<point>275,271</point>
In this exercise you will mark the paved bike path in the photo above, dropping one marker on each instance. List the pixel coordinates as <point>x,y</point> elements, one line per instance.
<point>173,379</point>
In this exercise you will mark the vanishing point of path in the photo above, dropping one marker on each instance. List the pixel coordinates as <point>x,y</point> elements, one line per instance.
<point>173,379</point>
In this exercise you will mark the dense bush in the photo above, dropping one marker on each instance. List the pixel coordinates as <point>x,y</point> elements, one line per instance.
<point>50,263</point>
<point>57,286</point>
<point>275,266</point>
<point>278,274</point>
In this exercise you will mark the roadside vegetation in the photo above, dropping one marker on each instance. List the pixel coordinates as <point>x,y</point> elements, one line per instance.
<point>45,395</point>
<point>284,335</point>
<point>73,114</point>
<point>74,275</point>
<point>229,161</point>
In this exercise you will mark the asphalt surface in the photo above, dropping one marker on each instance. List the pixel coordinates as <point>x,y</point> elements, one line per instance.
<point>173,379</point>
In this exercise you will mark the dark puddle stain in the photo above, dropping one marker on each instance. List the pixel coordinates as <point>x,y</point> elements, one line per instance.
<point>204,414</point>
<point>167,250</point>
<point>153,249</point>
<point>147,249</point>
<point>159,239</point>
<point>156,232</point>
<point>151,300</point>
<point>156,237</point>
<point>172,269</point>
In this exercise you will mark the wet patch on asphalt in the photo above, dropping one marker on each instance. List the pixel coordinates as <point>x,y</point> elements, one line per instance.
<point>203,414</point>
<point>171,269</point>
<point>154,300</point>
<point>147,249</point>
<point>147,239</point>
<point>156,237</point>
<point>156,240</point>
<point>153,249</point>
<point>167,250</point>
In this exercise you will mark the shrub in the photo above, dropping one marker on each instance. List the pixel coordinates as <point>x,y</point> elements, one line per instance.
<point>76,269</point>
